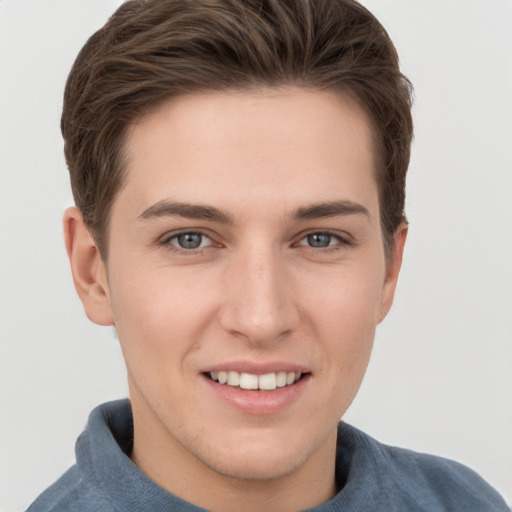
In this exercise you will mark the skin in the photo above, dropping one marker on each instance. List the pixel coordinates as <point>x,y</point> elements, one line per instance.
<point>256,292</point>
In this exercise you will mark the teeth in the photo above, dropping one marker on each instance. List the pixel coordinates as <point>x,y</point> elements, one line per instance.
<point>233,379</point>
<point>280,379</point>
<point>248,381</point>
<point>266,382</point>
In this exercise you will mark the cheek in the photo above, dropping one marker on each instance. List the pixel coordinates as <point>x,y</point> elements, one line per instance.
<point>159,316</point>
<point>344,314</point>
<point>345,300</point>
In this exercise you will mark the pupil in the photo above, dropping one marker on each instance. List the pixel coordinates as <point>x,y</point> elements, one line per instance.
<point>319,240</point>
<point>190,240</point>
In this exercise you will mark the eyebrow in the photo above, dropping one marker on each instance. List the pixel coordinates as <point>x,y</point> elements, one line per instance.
<point>329,209</point>
<point>189,211</point>
<point>203,212</point>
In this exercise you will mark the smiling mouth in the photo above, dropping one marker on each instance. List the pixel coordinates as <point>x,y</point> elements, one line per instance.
<point>266,382</point>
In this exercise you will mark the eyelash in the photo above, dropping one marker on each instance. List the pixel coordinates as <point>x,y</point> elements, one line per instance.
<point>341,243</point>
<point>166,242</point>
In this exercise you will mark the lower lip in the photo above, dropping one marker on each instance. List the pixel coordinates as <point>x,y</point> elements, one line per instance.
<point>258,402</point>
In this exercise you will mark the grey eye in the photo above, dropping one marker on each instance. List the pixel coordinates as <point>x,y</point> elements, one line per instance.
<point>189,240</point>
<point>319,239</point>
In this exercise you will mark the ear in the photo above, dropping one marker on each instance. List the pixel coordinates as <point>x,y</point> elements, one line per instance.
<point>392,271</point>
<point>88,269</point>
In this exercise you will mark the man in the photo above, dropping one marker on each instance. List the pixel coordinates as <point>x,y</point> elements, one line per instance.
<point>239,171</point>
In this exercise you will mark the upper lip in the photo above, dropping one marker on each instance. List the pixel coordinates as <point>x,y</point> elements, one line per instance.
<point>257,368</point>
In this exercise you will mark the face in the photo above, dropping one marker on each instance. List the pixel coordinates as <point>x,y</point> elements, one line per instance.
<point>246,245</point>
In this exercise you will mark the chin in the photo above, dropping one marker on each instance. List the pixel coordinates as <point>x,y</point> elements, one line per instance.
<point>260,455</point>
<point>255,466</point>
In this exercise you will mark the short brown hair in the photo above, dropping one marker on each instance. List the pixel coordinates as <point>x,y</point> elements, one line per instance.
<point>151,50</point>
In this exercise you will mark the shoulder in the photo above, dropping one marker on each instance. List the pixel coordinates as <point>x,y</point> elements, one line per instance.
<point>448,484</point>
<point>88,485</point>
<point>414,481</point>
<point>72,491</point>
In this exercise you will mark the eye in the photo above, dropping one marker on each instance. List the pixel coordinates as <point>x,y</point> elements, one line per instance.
<point>189,240</point>
<point>321,240</point>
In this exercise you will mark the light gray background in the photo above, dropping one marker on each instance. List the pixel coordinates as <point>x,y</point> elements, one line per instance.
<point>440,379</point>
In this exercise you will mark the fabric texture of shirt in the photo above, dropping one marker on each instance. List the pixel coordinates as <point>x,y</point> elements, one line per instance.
<point>371,476</point>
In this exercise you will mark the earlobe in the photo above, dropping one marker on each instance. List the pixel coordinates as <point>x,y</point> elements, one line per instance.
<point>392,271</point>
<point>88,269</point>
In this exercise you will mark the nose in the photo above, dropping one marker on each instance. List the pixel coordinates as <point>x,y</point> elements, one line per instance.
<point>259,303</point>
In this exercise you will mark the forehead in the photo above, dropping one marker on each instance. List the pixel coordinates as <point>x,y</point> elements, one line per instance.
<point>292,145</point>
